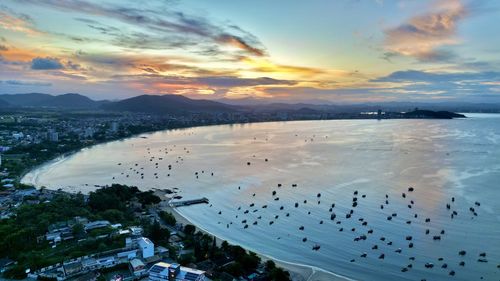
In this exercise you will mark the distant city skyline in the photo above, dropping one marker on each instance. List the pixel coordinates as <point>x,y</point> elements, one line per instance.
<point>333,51</point>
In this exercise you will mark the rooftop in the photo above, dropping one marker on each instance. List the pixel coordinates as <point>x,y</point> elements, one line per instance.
<point>185,273</point>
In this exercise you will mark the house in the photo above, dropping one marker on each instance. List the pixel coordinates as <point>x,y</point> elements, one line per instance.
<point>136,231</point>
<point>174,272</point>
<point>59,232</point>
<point>130,254</point>
<point>5,263</point>
<point>161,251</point>
<point>96,224</point>
<point>137,267</point>
<point>72,267</point>
<point>116,226</point>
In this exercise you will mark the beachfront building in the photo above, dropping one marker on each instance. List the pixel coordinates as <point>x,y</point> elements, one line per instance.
<point>96,224</point>
<point>137,267</point>
<point>147,247</point>
<point>163,271</point>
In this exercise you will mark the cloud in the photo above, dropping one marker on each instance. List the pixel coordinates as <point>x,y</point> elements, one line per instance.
<point>3,48</point>
<point>47,63</point>
<point>267,66</point>
<point>409,76</point>
<point>240,43</point>
<point>26,83</point>
<point>161,25</point>
<point>423,36</point>
<point>228,82</point>
<point>16,22</point>
<point>204,81</point>
<point>461,86</point>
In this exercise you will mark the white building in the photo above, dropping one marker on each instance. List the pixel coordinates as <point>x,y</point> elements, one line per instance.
<point>114,127</point>
<point>174,272</point>
<point>147,247</point>
<point>88,133</point>
<point>136,231</point>
<point>53,136</point>
<point>96,224</point>
<point>18,136</point>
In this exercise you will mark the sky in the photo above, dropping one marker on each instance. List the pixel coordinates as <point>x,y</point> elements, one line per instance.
<point>342,51</point>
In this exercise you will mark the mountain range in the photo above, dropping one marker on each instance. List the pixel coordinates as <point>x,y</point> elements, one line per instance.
<point>177,104</point>
<point>69,101</point>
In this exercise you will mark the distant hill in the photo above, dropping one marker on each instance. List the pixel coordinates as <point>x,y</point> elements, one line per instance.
<point>433,114</point>
<point>30,99</point>
<point>177,104</point>
<point>3,103</point>
<point>167,104</point>
<point>69,101</point>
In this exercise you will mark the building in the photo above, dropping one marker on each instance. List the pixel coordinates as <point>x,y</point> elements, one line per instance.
<point>5,263</point>
<point>147,247</point>
<point>174,272</point>
<point>72,267</point>
<point>96,224</point>
<point>137,267</point>
<point>114,127</point>
<point>88,133</point>
<point>53,136</point>
<point>136,231</point>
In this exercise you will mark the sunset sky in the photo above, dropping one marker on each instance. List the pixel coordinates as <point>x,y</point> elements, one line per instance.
<point>339,51</point>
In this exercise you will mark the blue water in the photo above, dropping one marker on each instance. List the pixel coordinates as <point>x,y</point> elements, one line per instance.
<point>440,159</point>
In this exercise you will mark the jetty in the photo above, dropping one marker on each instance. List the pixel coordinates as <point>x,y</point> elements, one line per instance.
<point>182,203</point>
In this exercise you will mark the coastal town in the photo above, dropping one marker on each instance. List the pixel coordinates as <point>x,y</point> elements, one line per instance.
<point>141,241</point>
<point>87,237</point>
<point>111,245</point>
<point>168,140</point>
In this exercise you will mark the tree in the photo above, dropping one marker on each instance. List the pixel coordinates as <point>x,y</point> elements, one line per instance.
<point>270,265</point>
<point>113,215</point>
<point>78,230</point>
<point>159,234</point>
<point>168,218</point>
<point>189,229</point>
<point>148,198</point>
<point>15,272</point>
<point>279,274</point>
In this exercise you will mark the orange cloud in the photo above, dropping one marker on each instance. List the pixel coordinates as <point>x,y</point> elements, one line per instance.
<point>16,54</point>
<point>17,24</point>
<point>422,35</point>
<point>266,66</point>
<point>240,43</point>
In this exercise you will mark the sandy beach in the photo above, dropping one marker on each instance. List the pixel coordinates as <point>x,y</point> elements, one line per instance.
<point>273,207</point>
<point>297,272</point>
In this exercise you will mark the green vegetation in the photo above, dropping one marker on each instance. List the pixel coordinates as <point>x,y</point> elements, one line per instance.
<point>275,273</point>
<point>168,218</point>
<point>238,261</point>
<point>22,236</point>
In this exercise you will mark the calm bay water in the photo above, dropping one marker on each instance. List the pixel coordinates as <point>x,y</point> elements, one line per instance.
<point>440,159</point>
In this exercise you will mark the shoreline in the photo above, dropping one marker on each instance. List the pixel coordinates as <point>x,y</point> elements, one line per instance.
<point>72,152</point>
<point>298,272</point>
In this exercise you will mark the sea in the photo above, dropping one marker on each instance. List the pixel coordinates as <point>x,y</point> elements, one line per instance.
<point>364,199</point>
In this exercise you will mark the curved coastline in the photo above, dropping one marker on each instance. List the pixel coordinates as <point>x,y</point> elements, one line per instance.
<point>299,270</point>
<point>316,273</point>
<point>302,272</point>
